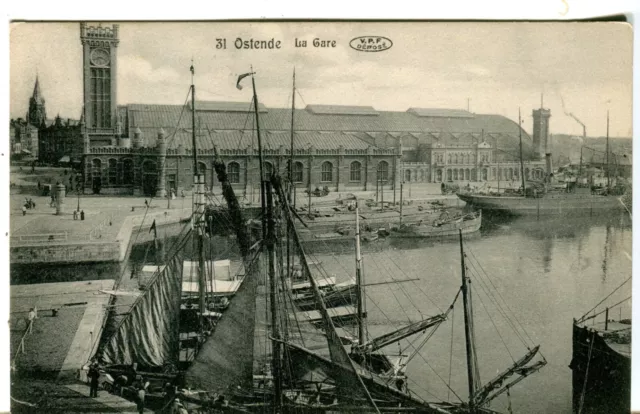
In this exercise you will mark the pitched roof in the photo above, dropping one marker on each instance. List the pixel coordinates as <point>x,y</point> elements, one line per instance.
<point>457,129</point>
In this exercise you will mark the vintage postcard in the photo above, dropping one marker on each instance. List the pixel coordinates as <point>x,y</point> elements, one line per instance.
<point>320,217</point>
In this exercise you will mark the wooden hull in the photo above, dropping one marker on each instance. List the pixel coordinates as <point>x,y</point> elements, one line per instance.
<point>549,204</point>
<point>601,378</point>
<point>342,296</point>
<point>429,230</point>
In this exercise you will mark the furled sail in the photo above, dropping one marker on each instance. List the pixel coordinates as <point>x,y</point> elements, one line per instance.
<point>148,335</point>
<point>345,375</point>
<point>225,361</point>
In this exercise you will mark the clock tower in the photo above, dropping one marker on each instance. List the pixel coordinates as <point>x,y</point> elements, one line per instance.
<point>99,61</point>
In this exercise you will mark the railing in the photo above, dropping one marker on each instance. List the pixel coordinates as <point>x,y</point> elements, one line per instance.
<point>40,238</point>
<point>21,348</point>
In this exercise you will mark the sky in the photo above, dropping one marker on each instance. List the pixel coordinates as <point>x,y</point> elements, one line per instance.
<point>492,68</point>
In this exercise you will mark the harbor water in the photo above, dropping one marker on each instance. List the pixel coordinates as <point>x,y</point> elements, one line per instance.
<point>543,273</point>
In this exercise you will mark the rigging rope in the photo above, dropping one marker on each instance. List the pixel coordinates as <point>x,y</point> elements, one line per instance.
<point>607,297</point>
<point>499,306</point>
<point>503,300</point>
<point>586,374</point>
<point>451,348</point>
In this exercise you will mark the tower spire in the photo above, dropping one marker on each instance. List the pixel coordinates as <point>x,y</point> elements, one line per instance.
<point>37,94</point>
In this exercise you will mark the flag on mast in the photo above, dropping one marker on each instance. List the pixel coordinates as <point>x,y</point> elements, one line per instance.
<point>244,75</point>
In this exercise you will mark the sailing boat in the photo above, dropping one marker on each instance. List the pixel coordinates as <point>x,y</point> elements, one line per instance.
<point>259,357</point>
<point>601,361</point>
<point>542,201</point>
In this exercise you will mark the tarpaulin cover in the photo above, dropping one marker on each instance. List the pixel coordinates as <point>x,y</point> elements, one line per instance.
<point>148,335</point>
<point>225,361</point>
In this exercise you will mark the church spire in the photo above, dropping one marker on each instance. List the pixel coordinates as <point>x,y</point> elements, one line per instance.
<point>37,113</point>
<point>37,94</point>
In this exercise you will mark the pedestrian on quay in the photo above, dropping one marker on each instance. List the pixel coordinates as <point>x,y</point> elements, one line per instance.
<point>140,398</point>
<point>75,214</point>
<point>31,319</point>
<point>146,203</point>
<point>81,214</point>
<point>94,375</point>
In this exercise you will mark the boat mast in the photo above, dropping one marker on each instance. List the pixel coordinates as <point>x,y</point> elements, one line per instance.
<point>469,339</point>
<point>198,184</point>
<point>291,184</point>
<point>359,282</point>
<point>260,160</point>
<point>524,190</point>
<point>608,175</point>
<point>293,109</point>
<point>275,334</point>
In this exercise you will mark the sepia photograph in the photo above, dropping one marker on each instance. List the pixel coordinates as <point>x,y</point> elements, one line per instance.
<point>320,217</point>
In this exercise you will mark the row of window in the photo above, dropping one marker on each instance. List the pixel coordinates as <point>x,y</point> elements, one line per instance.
<point>326,171</point>
<point>460,158</point>
<point>122,172</point>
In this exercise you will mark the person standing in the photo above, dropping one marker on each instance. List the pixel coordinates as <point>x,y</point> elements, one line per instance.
<point>31,319</point>
<point>81,214</point>
<point>94,375</point>
<point>140,398</point>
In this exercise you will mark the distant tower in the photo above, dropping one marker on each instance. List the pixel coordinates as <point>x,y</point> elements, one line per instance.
<point>541,143</point>
<point>37,113</point>
<point>99,64</point>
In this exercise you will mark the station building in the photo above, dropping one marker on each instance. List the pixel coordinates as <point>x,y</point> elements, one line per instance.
<point>147,149</point>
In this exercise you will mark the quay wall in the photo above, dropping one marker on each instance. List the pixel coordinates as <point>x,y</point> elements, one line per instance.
<point>66,252</point>
<point>133,231</point>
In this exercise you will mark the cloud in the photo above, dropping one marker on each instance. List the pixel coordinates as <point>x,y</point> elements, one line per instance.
<point>141,69</point>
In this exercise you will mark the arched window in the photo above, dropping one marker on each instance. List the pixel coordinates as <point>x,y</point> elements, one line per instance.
<point>407,175</point>
<point>466,175</point>
<point>202,170</point>
<point>456,159</point>
<point>421,175</point>
<point>127,171</point>
<point>96,167</point>
<point>455,175</point>
<point>268,170</point>
<point>439,176</point>
<point>484,174</point>
<point>526,173</point>
<point>474,174</point>
<point>468,158</point>
<point>449,158</point>
<point>113,171</point>
<point>327,172</point>
<point>233,172</point>
<point>383,171</point>
<point>297,172</point>
<point>355,171</point>
<point>516,173</point>
<point>449,175</point>
<point>461,174</point>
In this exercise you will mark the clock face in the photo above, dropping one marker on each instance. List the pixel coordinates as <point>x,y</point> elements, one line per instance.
<point>99,57</point>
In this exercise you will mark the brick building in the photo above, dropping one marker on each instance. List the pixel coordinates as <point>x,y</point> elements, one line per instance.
<point>146,149</point>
